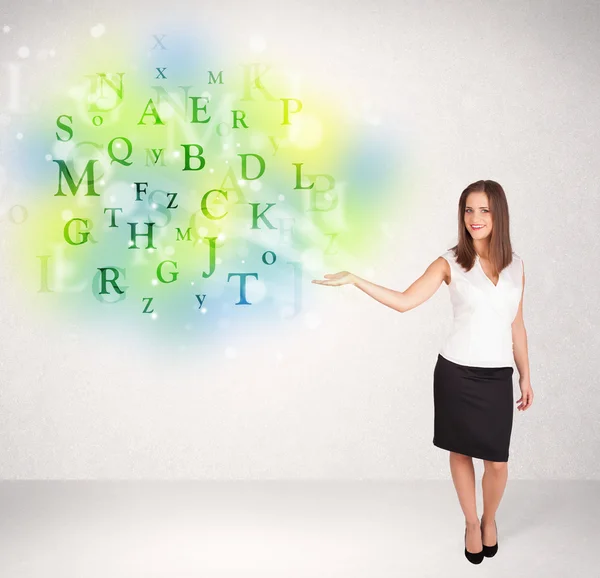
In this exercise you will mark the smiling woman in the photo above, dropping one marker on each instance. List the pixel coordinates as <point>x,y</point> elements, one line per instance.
<point>472,379</point>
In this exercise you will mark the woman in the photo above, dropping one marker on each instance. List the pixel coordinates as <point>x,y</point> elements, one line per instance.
<point>472,382</point>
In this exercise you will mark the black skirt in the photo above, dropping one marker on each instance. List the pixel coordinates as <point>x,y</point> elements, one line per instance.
<point>473,409</point>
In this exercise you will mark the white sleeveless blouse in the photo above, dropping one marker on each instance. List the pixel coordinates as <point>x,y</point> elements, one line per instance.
<point>481,333</point>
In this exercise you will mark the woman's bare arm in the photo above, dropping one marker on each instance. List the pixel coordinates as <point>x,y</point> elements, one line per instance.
<point>519,337</point>
<point>521,355</point>
<point>421,290</point>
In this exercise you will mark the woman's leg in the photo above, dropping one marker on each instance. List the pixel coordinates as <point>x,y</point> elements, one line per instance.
<point>463,476</point>
<point>493,483</point>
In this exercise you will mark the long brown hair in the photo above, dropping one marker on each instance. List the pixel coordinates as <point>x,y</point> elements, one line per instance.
<point>500,248</point>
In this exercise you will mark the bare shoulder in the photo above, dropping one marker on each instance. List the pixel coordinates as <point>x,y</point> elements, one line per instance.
<point>443,268</point>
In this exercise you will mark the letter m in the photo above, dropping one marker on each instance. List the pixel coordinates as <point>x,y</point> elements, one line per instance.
<point>213,80</point>
<point>64,171</point>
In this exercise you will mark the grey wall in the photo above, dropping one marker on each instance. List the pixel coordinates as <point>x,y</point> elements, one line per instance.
<point>499,90</point>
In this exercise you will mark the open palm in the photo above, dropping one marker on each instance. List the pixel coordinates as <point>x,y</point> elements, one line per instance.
<point>334,279</point>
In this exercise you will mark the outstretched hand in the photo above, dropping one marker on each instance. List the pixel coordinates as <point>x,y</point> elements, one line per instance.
<point>335,279</point>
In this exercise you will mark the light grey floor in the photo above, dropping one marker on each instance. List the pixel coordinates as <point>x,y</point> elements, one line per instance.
<point>288,529</point>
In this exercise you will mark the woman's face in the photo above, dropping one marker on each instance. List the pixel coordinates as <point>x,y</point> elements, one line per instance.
<point>478,217</point>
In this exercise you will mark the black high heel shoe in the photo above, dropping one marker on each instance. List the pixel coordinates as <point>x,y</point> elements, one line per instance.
<point>473,557</point>
<point>489,551</point>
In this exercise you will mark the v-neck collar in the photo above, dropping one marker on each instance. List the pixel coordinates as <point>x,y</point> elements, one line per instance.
<point>484,274</point>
